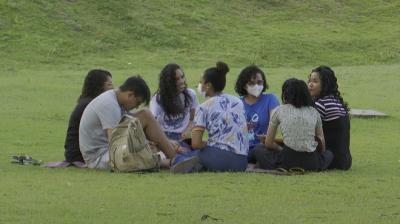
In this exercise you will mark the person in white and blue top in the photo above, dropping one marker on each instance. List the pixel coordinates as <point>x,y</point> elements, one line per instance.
<point>222,116</point>
<point>251,85</point>
<point>173,104</point>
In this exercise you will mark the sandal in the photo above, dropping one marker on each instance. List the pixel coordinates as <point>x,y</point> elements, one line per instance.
<point>297,171</point>
<point>279,171</point>
<point>25,160</point>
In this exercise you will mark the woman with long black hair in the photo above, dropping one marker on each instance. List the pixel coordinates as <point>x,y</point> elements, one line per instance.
<point>324,90</point>
<point>96,82</point>
<point>173,104</point>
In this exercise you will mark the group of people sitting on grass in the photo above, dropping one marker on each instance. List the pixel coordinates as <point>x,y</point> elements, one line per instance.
<point>241,130</point>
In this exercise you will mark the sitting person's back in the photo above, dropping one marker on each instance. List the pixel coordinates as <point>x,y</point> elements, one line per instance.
<point>101,114</point>
<point>297,126</point>
<point>222,116</point>
<point>299,123</point>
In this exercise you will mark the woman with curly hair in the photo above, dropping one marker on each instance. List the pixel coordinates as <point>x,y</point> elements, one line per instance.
<point>96,82</point>
<point>299,123</point>
<point>174,104</point>
<point>334,112</point>
<point>251,85</point>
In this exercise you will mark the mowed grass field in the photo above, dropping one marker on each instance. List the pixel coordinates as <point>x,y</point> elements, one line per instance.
<point>47,49</point>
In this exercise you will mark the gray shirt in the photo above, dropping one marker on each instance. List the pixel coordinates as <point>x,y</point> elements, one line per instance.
<point>102,113</point>
<point>297,126</point>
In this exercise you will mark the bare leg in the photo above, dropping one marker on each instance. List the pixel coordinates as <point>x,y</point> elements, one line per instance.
<point>154,133</point>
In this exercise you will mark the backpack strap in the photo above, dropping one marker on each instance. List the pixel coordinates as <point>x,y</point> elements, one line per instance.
<point>126,116</point>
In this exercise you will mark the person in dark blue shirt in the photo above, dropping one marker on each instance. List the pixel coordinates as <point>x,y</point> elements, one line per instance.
<point>251,85</point>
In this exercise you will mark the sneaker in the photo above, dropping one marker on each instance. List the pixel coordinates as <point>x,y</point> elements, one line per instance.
<point>189,165</point>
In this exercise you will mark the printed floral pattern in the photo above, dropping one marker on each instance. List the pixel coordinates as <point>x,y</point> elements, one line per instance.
<point>223,118</point>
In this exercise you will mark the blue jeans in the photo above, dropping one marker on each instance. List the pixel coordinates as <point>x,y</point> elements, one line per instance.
<point>173,135</point>
<point>180,156</point>
<point>218,160</point>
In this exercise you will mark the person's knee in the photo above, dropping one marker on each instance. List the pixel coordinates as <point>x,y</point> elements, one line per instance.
<point>343,164</point>
<point>259,151</point>
<point>328,156</point>
<point>144,115</point>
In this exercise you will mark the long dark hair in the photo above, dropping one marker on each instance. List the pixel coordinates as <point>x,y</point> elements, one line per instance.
<point>167,93</point>
<point>329,84</point>
<point>94,83</point>
<point>217,76</point>
<point>295,92</point>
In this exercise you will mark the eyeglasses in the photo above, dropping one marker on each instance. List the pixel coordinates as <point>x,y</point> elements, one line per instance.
<point>258,82</point>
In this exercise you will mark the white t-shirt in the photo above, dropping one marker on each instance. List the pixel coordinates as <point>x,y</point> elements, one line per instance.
<point>102,113</point>
<point>177,123</point>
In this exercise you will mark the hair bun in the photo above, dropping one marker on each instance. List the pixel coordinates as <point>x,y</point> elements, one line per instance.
<point>222,68</point>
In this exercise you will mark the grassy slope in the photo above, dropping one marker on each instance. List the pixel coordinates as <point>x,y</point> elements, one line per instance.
<point>363,195</point>
<point>147,33</point>
<point>46,49</point>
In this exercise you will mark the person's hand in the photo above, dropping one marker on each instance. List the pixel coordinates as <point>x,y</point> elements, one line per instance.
<point>178,148</point>
<point>262,138</point>
<point>151,143</point>
<point>279,141</point>
<point>154,146</point>
<point>319,146</point>
<point>186,135</point>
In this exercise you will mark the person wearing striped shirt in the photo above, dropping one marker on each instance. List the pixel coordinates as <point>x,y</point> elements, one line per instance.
<point>334,112</point>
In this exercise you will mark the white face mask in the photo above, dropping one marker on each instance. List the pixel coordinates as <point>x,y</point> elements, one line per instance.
<point>254,90</point>
<point>200,91</point>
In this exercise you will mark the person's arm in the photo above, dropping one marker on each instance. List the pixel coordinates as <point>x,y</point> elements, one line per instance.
<point>109,132</point>
<point>319,133</point>
<point>197,138</point>
<point>262,137</point>
<point>270,138</point>
<point>154,106</point>
<point>188,131</point>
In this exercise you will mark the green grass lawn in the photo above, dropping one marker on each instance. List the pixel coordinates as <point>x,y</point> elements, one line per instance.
<point>47,48</point>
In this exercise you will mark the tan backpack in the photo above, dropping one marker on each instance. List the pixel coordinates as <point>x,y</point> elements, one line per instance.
<point>129,148</point>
